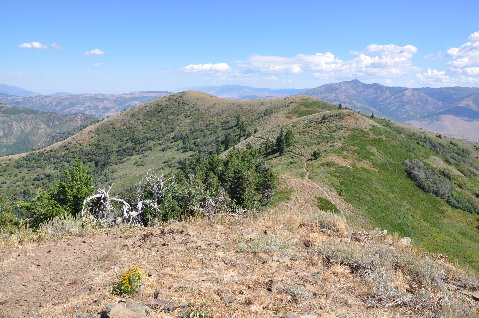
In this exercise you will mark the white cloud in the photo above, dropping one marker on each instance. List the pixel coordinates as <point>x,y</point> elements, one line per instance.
<point>271,78</point>
<point>33,45</point>
<point>207,68</point>
<point>272,64</point>
<point>94,52</point>
<point>383,60</point>
<point>376,60</point>
<point>56,46</point>
<point>434,77</point>
<point>465,59</point>
<point>98,64</point>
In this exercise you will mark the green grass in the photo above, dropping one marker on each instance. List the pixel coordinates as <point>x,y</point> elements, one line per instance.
<point>326,205</point>
<point>280,196</point>
<point>307,108</point>
<point>376,184</point>
<point>390,200</point>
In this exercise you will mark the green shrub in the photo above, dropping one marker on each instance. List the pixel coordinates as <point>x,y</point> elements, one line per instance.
<point>8,220</point>
<point>76,186</point>
<point>463,202</point>
<point>243,174</point>
<point>196,313</point>
<point>43,209</point>
<point>284,141</point>
<point>427,179</point>
<point>316,154</point>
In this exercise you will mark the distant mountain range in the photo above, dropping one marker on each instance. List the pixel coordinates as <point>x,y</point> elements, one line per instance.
<point>99,105</point>
<point>453,111</point>
<point>247,92</point>
<point>13,90</point>
<point>23,130</point>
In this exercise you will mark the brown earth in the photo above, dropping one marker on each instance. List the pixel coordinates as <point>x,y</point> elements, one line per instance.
<point>264,265</point>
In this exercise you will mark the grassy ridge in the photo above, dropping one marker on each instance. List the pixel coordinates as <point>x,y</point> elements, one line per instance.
<point>156,135</point>
<point>359,157</point>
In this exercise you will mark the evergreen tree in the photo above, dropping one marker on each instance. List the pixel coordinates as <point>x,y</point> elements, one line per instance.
<point>280,143</point>
<point>76,186</point>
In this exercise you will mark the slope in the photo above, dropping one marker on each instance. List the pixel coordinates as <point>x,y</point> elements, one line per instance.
<point>359,159</point>
<point>22,130</point>
<point>155,135</point>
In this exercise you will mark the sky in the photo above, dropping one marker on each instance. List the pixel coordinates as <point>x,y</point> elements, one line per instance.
<point>123,46</point>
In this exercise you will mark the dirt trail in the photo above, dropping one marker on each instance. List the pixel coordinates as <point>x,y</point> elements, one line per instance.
<point>326,193</point>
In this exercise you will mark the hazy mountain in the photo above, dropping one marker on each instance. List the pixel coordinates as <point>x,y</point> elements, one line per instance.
<point>432,108</point>
<point>247,92</point>
<point>13,90</point>
<point>22,130</point>
<point>99,105</point>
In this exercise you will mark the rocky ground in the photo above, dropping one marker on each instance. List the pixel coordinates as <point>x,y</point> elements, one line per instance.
<point>266,265</point>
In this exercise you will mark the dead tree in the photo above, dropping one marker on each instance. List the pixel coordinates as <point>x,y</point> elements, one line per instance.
<point>99,207</point>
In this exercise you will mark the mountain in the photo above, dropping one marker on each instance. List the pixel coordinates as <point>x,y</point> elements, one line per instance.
<point>22,130</point>
<point>13,90</point>
<point>98,105</point>
<point>355,214</point>
<point>431,108</point>
<point>360,159</point>
<point>247,92</point>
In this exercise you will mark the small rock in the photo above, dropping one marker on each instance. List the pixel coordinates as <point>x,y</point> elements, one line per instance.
<point>120,311</point>
<point>138,308</point>
<point>287,316</point>
<point>85,316</point>
<point>185,304</point>
<point>269,285</point>
<point>405,242</point>
<point>228,299</point>
<point>388,242</point>
<point>298,293</point>
<point>98,301</point>
<point>308,243</point>
<point>162,304</point>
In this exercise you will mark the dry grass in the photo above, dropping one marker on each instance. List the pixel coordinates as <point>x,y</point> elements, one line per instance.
<point>290,259</point>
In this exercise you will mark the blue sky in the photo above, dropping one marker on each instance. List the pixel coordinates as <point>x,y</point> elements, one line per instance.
<point>122,46</point>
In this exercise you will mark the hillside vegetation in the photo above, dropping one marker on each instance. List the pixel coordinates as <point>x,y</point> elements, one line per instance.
<point>361,158</point>
<point>23,130</point>
<point>341,175</point>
